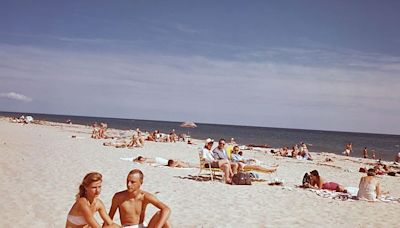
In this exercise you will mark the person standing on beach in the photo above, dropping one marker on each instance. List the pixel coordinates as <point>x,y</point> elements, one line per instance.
<point>132,204</point>
<point>348,149</point>
<point>365,152</point>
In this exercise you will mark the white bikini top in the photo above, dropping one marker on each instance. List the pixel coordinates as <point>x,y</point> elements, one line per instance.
<point>77,220</point>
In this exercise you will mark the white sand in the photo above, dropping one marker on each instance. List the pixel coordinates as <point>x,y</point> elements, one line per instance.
<point>42,166</point>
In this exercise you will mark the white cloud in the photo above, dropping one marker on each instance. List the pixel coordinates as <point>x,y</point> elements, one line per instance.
<point>16,96</point>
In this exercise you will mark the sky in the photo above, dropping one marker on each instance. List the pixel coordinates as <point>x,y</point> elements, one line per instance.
<point>325,65</point>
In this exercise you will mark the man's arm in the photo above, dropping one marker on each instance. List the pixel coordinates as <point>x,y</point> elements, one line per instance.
<point>114,206</point>
<point>165,211</point>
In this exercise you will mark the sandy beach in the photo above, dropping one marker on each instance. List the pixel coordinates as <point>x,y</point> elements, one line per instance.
<point>42,166</point>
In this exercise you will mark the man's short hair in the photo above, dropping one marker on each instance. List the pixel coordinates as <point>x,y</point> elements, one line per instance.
<point>138,171</point>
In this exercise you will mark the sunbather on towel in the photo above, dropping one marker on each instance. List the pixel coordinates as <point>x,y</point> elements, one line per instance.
<point>317,182</point>
<point>162,161</point>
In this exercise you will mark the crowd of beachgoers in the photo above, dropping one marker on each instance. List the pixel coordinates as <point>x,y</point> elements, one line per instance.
<point>222,156</point>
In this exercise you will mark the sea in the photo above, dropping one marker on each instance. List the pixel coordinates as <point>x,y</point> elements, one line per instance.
<point>384,146</point>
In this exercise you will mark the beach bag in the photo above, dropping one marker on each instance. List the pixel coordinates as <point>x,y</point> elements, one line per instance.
<point>241,178</point>
<point>306,178</point>
<point>254,175</point>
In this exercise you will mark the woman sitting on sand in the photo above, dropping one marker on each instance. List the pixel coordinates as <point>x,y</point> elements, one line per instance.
<point>369,187</point>
<point>87,203</point>
<point>318,182</point>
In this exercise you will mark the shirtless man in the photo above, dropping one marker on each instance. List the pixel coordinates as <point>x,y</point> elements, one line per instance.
<point>132,204</point>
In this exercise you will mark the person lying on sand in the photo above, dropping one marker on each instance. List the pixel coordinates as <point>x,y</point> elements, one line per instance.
<point>132,204</point>
<point>87,203</point>
<point>162,161</point>
<point>259,146</point>
<point>317,182</point>
<point>120,144</point>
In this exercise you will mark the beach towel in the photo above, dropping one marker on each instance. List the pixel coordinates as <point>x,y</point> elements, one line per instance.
<point>351,195</point>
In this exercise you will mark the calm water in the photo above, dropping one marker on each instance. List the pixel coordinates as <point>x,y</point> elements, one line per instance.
<point>384,146</point>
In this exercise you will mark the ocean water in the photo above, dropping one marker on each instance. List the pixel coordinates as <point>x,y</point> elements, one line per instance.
<point>384,146</point>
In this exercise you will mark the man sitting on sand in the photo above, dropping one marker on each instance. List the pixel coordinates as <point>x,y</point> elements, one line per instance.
<point>132,204</point>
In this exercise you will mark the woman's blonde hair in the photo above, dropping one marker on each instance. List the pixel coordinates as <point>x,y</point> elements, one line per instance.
<point>87,180</point>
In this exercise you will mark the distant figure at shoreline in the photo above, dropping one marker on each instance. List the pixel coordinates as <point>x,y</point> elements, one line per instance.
<point>397,159</point>
<point>87,203</point>
<point>365,152</point>
<point>132,204</point>
<point>348,149</point>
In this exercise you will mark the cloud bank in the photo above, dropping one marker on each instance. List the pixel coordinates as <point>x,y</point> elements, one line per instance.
<point>348,90</point>
<point>15,96</point>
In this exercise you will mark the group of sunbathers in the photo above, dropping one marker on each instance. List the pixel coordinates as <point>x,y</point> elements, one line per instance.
<point>229,163</point>
<point>383,169</point>
<point>299,152</point>
<point>131,204</point>
<point>137,140</point>
<point>158,136</point>
<point>368,188</point>
<point>99,131</point>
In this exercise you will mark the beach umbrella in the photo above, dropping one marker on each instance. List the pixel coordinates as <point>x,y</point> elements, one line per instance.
<point>188,124</point>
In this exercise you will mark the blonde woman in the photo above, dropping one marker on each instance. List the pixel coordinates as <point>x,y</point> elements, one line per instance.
<point>87,203</point>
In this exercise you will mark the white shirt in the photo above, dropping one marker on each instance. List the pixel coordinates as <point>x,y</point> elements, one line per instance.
<point>207,155</point>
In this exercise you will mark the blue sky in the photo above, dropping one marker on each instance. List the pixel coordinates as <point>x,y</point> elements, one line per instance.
<point>330,65</point>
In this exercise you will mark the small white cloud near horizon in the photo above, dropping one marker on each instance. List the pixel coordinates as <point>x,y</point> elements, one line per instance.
<point>16,96</point>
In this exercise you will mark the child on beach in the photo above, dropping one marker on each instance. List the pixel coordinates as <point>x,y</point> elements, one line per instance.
<point>88,203</point>
<point>132,204</point>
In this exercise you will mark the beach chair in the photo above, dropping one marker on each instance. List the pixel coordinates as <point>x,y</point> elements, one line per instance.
<point>211,171</point>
